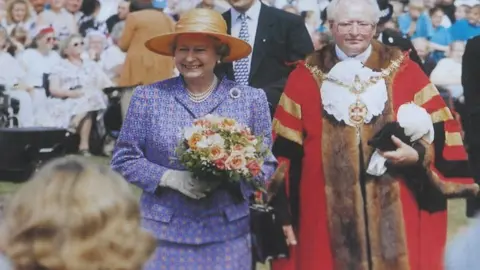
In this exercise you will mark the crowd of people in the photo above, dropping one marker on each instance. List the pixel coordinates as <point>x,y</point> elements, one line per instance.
<point>37,63</point>
<point>314,79</point>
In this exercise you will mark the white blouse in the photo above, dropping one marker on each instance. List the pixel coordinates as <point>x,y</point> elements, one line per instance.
<point>36,64</point>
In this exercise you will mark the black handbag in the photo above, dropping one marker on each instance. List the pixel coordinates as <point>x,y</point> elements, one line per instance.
<point>267,217</point>
<point>268,239</point>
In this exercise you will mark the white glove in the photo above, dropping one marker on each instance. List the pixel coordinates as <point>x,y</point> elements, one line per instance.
<point>185,183</point>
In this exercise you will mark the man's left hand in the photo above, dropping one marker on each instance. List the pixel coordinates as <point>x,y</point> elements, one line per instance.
<point>404,155</point>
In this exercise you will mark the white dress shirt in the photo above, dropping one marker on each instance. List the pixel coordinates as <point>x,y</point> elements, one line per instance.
<point>253,14</point>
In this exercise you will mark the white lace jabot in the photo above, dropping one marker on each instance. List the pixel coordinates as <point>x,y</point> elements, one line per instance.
<point>337,99</point>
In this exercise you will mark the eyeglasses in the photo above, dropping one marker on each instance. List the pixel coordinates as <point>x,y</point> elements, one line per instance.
<point>347,27</point>
<point>76,44</point>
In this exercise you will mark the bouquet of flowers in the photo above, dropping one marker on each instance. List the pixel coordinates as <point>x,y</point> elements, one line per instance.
<point>220,149</point>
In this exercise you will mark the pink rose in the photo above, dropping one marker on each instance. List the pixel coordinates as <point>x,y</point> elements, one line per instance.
<point>220,163</point>
<point>235,162</point>
<point>254,167</point>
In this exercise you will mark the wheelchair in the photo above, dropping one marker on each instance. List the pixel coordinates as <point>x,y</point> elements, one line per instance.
<point>9,108</point>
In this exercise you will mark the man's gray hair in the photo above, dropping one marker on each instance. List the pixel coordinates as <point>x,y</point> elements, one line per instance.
<point>336,7</point>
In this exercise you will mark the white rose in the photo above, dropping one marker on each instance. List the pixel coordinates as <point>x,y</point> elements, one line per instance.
<point>189,131</point>
<point>250,151</point>
<point>416,122</point>
<point>216,139</point>
<point>203,143</point>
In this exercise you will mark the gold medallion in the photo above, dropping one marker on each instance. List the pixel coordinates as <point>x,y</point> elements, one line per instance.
<point>357,112</point>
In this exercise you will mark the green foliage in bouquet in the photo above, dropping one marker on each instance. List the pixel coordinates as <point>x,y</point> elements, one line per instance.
<point>220,149</point>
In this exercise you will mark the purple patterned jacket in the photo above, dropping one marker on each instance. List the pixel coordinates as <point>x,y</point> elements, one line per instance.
<point>145,148</point>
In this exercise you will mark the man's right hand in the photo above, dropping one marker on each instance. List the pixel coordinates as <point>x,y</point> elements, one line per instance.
<point>290,235</point>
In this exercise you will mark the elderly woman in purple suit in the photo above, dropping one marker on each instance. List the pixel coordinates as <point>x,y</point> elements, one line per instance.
<point>194,231</point>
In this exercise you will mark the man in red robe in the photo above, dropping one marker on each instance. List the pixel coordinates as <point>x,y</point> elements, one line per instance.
<point>347,212</point>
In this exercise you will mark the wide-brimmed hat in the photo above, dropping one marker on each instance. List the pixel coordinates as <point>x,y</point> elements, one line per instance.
<point>201,21</point>
<point>386,11</point>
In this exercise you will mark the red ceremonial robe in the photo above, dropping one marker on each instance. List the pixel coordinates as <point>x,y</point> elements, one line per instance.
<point>345,219</point>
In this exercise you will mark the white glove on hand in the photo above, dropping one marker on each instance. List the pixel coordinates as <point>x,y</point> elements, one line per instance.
<point>185,183</point>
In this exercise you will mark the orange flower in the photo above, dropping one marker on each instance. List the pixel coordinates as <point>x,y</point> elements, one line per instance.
<point>238,148</point>
<point>216,152</point>
<point>228,122</point>
<point>192,142</point>
<point>236,162</point>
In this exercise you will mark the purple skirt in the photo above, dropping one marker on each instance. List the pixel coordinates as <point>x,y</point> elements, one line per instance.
<point>235,254</point>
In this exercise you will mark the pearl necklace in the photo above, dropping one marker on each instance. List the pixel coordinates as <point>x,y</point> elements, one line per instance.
<point>197,98</point>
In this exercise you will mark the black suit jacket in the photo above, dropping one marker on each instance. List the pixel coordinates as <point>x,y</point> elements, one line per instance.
<point>393,38</point>
<point>471,92</point>
<point>281,40</point>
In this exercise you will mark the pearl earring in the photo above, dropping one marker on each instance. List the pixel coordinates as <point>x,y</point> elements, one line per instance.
<point>218,61</point>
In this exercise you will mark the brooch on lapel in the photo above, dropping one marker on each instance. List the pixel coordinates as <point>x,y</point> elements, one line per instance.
<point>235,93</point>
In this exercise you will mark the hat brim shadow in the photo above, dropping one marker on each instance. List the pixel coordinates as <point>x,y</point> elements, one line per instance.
<point>163,44</point>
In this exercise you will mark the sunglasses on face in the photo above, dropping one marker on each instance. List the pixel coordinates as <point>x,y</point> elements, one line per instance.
<point>51,39</point>
<point>76,44</point>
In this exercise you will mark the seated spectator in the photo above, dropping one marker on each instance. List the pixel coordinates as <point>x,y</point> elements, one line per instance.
<point>74,215</point>
<point>76,88</point>
<point>398,8</point>
<point>461,12</point>
<point>415,23</point>
<point>112,59</point>
<point>392,24</point>
<point>18,15</point>
<point>39,62</point>
<point>19,40</point>
<point>96,43</point>
<point>12,78</point>
<point>59,18</point>
<point>122,12</point>
<point>89,21</point>
<point>311,22</point>
<point>421,45</point>
<point>467,28</point>
<point>73,6</point>
<point>210,4</point>
<point>446,6</point>
<point>448,72</point>
<point>441,37</point>
<point>320,40</point>
<point>37,7</point>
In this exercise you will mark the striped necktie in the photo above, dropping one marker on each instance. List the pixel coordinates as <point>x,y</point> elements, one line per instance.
<point>241,66</point>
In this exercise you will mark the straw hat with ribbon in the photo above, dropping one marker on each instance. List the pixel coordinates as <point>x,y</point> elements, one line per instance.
<point>201,21</point>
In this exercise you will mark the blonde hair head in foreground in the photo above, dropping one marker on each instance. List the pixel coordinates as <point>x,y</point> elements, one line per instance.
<point>75,215</point>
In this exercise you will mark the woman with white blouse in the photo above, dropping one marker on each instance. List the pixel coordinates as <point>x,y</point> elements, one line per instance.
<point>12,78</point>
<point>18,15</point>
<point>76,92</point>
<point>62,21</point>
<point>39,62</point>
